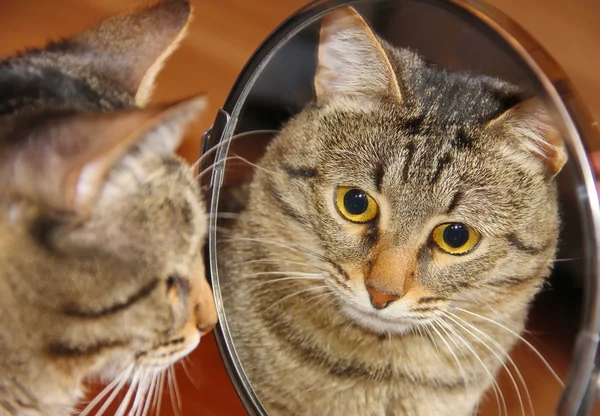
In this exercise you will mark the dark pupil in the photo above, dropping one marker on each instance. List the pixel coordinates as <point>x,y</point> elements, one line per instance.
<point>356,202</point>
<point>456,235</point>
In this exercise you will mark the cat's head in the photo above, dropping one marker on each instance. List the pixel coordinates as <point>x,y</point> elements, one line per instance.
<point>416,189</point>
<point>105,223</point>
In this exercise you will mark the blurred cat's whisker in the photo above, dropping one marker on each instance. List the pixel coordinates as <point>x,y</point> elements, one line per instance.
<point>176,386</point>
<point>132,386</point>
<point>140,393</point>
<point>159,396</point>
<point>527,343</point>
<point>500,400</point>
<point>187,373</point>
<point>501,359</point>
<point>151,392</point>
<point>173,390</point>
<point>295,294</point>
<point>120,379</point>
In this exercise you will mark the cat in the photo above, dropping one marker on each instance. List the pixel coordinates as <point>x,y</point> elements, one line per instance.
<point>394,235</point>
<point>103,225</point>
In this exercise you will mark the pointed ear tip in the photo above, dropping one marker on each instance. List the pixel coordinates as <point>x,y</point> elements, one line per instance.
<point>178,12</point>
<point>338,15</point>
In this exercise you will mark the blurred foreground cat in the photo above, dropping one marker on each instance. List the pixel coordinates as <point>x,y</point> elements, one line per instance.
<point>393,238</point>
<point>102,225</point>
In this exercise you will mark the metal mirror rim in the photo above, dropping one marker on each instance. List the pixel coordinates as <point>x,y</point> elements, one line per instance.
<point>555,89</point>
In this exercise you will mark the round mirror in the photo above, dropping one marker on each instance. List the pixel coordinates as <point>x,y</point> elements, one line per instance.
<point>393,184</point>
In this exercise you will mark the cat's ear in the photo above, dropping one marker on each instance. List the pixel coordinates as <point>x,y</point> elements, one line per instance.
<point>533,131</point>
<point>132,48</point>
<point>62,163</point>
<point>351,61</point>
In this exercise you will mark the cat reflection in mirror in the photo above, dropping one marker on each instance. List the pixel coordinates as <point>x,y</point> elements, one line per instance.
<point>394,236</point>
<point>102,225</point>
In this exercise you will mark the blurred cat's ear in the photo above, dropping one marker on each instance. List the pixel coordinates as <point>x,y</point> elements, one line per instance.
<point>532,128</point>
<point>351,61</point>
<point>131,48</point>
<point>62,163</point>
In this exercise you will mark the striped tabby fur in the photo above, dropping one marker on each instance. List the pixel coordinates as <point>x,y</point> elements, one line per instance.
<point>430,146</point>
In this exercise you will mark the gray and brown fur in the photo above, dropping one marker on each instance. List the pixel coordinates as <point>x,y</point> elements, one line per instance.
<point>430,146</point>
<point>102,225</point>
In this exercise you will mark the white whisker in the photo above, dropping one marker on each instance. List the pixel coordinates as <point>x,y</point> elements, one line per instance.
<point>268,261</point>
<point>125,402</point>
<point>500,400</point>
<point>282,272</point>
<point>531,347</point>
<point>115,392</point>
<point>295,294</point>
<point>90,406</point>
<point>454,356</point>
<point>151,392</point>
<point>461,323</point>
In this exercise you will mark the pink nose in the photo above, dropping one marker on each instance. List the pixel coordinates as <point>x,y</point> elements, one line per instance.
<point>380,300</point>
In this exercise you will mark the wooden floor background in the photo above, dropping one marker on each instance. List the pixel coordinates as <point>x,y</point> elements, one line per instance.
<point>222,37</point>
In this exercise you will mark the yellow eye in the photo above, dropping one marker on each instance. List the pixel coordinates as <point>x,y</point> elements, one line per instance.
<point>455,238</point>
<point>355,204</point>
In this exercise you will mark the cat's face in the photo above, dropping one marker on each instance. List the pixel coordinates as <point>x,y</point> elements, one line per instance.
<point>414,190</point>
<point>107,224</point>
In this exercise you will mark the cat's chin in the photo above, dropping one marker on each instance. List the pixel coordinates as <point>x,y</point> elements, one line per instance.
<point>378,324</point>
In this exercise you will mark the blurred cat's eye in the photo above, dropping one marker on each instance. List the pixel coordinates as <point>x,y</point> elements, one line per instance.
<point>355,204</point>
<point>455,238</point>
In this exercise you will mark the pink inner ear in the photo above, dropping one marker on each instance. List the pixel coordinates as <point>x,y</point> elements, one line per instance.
<point>534,131</point>
<point>65,161</point>
<point>351,60</point>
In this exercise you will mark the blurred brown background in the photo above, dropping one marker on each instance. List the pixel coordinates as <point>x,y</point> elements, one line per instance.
<point>222,37</point>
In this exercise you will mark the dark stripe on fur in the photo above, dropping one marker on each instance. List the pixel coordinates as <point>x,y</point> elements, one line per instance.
<point>461,141</point>
<point>430,299</point>
<point>342,368</point>
<point>22,84</point>
<point>514,281</point>
<point>42,230</point>
<point>514,241</point>
<point>454,202</point>
<point>75,312</point>
<point>414,126</point>
<point>424,309</point>
<point>410,152</point>
<point>340,269</point>
<point>442,163</point>
<point>284,207</point>
<point>61,350</point>
<point>300,173</point>
<point>378,174</point>
<point>370,235</point>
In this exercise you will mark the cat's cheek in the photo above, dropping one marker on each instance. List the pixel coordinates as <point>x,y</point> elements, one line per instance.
<point>114,366</point>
